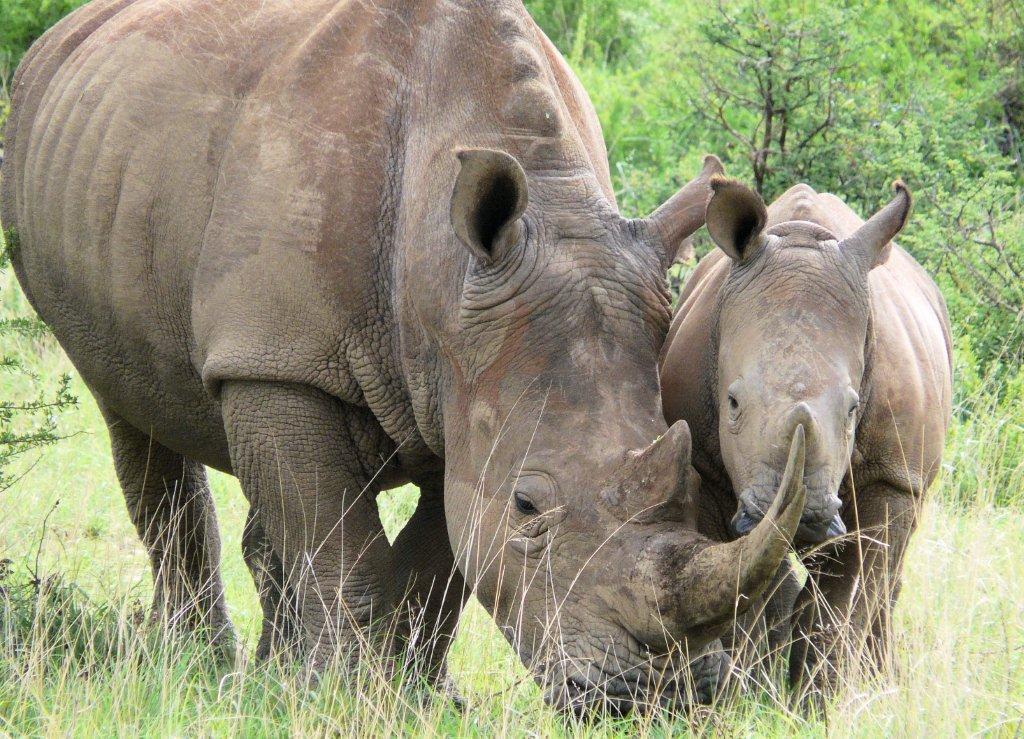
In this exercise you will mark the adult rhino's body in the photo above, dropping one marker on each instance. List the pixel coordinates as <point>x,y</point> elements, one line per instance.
<point>808,316</point>
<point>246,223</point>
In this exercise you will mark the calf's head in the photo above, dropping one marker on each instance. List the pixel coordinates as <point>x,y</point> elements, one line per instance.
<point>567,498</point>
<point>792,334</point>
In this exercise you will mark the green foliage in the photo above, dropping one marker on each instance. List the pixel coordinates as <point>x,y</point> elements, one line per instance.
<point>847,98</point>
<point>771,78</point>
<point>601,31</point>
<point>55,615</point>
<point>984,459</point>
<point>21,23</point>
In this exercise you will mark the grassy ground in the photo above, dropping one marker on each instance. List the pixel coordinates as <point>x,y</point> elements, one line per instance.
<point>75,661</point>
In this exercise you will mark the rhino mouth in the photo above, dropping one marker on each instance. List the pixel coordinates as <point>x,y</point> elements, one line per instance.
<point>821,520</point>
<point>810,532</point>
<point>661,683</point>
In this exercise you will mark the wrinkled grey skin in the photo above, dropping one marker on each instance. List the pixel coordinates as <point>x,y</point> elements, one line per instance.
<point>333,247</point>
<point>806,316</point>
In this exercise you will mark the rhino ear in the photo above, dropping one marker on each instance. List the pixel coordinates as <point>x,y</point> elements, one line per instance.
<point>871,243</point>
<point>681,215</point>
<point>490,196</point>
<point>736,218</point>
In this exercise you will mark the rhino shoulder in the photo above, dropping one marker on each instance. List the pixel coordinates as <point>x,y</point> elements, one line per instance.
<point>687,362</point>
<point>903,430</point>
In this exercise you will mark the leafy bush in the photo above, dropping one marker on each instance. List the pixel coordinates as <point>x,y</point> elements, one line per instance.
<point>53,616</point>
<point>984,457</point>
<point>847,98</point>
<point>770,82</point>
<point>23,21</point>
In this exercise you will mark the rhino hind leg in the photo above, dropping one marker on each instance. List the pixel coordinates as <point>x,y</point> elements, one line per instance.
<point>169,501</point>
<point>280,633</point>
<point>308,463</point>
<point>435,591</point>
<point>843,617</point>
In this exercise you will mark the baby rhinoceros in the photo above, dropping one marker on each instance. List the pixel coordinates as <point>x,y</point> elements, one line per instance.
<point>806,316</point>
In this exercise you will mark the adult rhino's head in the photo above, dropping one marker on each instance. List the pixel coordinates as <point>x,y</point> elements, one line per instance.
<point>566,495</point>
<point>792,336</point>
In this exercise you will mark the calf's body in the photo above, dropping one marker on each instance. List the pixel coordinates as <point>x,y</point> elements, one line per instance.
<point>805,323</point>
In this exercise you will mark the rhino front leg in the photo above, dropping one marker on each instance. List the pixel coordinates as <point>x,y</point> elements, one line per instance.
<point>169,502</point>
<point>843,615</point>
<point>435,591</point>
<point>761,637</point>
<point>307,463</point>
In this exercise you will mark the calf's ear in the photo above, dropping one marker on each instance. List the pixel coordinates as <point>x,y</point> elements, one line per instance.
<point>871,244</point>
<point>736,218</point>
<point>489,198</point>
<point>675,222</point>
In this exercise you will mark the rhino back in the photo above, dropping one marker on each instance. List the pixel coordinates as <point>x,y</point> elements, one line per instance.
<point>137,166</point>
<point>37,68</point>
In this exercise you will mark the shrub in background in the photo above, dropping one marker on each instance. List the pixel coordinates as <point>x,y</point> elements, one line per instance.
<point>592,31</point>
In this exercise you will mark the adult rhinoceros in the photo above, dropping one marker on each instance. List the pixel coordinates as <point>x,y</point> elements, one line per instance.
<point>333,247</point>
<point>807,318</point>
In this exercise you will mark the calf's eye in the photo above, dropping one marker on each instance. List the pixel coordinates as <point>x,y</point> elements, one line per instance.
<point>732,400</point>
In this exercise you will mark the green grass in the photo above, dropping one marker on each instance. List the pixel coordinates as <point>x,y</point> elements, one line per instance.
<point>77,659</point>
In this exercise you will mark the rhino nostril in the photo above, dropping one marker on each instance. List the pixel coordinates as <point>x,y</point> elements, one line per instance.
<point>818,528</point>
<point>836,528</point>
<point>743,522</point>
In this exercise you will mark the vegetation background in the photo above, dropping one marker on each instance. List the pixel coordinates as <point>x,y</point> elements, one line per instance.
<point>844,95</point>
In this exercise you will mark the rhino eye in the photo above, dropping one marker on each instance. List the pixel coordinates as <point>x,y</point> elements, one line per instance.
<point>732,398</point>
<point>524,505</point>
